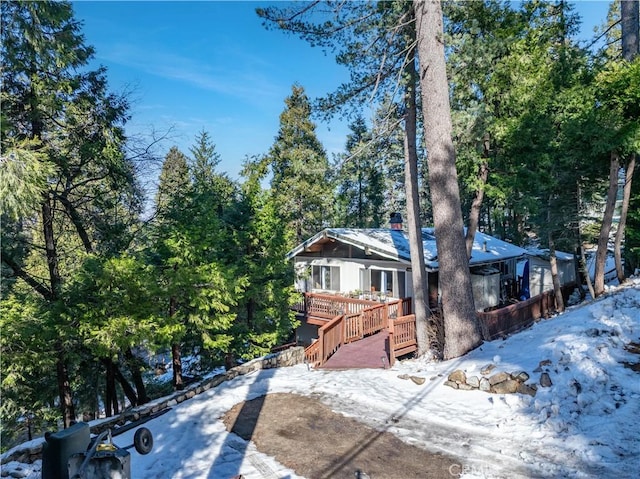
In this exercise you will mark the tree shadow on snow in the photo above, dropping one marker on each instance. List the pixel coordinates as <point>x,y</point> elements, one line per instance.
<point>234,450</point>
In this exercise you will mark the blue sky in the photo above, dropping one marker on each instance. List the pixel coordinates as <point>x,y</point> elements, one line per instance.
<point>211,65</point>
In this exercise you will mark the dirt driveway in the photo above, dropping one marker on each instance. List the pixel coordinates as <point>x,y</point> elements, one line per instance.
<point>305,435</point>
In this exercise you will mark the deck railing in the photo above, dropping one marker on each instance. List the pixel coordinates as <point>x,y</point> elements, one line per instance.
<point>329,305</point>
<point>356,319</point>
<point>402,337</point>
<point>330,338</point>
<point>345,328</point>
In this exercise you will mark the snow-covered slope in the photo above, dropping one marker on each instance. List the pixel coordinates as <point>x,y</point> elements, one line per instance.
<point>584,426</point>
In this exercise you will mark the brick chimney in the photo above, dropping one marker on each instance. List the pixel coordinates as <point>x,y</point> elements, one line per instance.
<point>395,221</point>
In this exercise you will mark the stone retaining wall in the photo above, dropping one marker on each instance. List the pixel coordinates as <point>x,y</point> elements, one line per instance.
<point>289,357</point>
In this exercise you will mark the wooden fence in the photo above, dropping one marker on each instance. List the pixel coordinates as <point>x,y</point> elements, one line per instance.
<point>514,317</point>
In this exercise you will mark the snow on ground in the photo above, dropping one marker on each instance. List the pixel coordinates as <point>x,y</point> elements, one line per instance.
<point>584,426</point>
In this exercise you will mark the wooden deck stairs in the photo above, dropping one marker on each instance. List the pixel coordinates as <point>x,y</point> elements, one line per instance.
<point>363,334</point>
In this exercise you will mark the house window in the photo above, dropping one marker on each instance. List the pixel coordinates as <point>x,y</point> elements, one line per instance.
<point>384,281</point>
<point>326,277</point>
<point>400,291</point>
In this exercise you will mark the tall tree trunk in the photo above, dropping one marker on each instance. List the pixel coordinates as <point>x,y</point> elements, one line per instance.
<point>126,387</point>
<point>553,261</point>
<point>110,387</point>
<point>64,388</point>
<point>462,330</point>
<point>176,361</point>
<point>426,329</point>
<point>135,366</point>
<point>630,21</point>
<point>476,205</point>
<point>605,229</point>
<point>65,394</point>
<point>626,197</point>
<point>585,272</point>
<point>555,277</point>
<point>583,261</point>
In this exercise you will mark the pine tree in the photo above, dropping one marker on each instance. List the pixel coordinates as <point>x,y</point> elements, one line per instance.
<point>198,286</point>
<point>360,181</point>
<point>462,331</point>
<point>300,181</point>
<point>385,31</point>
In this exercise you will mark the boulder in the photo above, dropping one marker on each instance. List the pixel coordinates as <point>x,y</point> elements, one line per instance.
<point>487,369</point>
<point>451,384</point>
<point>458,376</point>
<point>473,381</point>
<point>465,387</point>
<point>499,377</point>
<point>521,376</point>
<point>531,390</point>
<point>509,386</point>
<point>545,380</point>
<point>484,385</point>
<point>542,364</point>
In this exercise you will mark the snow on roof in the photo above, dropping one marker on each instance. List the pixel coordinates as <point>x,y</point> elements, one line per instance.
<point>543,253</point>
<point>394,244</point>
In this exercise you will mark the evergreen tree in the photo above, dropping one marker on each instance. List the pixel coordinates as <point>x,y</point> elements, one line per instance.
<point>198,286</point>
<point>462,331</point>
<point>385,32</point>
<point>479,34</point>
<point>57,112</point>
<point>360,181</point>
<point>300,170</point>
<point>174,186</point>
<point>264,315</point>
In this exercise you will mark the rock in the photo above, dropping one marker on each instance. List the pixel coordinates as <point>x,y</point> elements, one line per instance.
<point>521,376</point>
<point>484,385</point>
<point>499,377</point>
<point>458,376</point>
<point>465,387</point>
<point>526,389</point>
<point>542,364</point>
<point>403,376</point>
<point>575,387</point>
<point>545,380</point>
<point>487,369</point>
<point>505,387</point>
<point>418,380</point>
<point>451,384</point>
<point>473,381</point>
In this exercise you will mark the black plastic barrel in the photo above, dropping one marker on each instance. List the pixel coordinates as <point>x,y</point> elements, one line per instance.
<point>59,446</point>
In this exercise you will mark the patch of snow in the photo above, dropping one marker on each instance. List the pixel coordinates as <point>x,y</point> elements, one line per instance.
<point>583,426</point>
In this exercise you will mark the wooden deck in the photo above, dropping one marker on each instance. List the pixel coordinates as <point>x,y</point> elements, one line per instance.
<point>369,353</point>
<point>370,330</point>
<point>358,333</point>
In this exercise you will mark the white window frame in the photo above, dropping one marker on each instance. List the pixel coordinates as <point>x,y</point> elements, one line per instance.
<point>328,277</point>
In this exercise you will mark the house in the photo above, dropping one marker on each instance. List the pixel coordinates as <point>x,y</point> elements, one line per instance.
<point>540,279</point>
<point>375,264</point>
<point>356,283</point>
